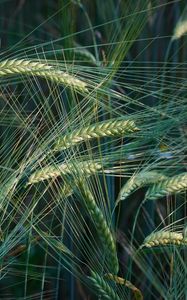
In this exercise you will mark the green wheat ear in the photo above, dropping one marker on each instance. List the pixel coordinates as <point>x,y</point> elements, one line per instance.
<point>37,68</point>
<point>141,179</point>
<point>86,168</point>
<point>114,127</point>
<point>172,185</point>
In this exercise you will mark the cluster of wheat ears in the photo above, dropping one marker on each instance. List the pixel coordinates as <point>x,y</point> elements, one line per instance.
<point>55,177</point>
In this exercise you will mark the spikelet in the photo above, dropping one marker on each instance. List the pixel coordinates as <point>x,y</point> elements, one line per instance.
<point>114,127</point>
<point>137,181</point>
<point>103,289</point>
<point>41,69</point>
<point>172,185</point>
<point>86,168</point>
<point>164,238</point>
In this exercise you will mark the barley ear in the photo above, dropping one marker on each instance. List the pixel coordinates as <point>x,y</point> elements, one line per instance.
<point>114,127</point>
<point>38,68</point>
<point>180,29</point>
<point>85,168</point>
<point>164,238</point>
<point>137,293</point>
<point>138,181</point>
<point>172,185</point>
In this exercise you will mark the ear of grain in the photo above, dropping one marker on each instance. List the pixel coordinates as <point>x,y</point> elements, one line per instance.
<point>180,30</point>
<point>172,185</point>
<point>137,293</point>
<point>104,290</point>
<point>139,181</point>
<point>114,127</point>
<point>40,69</point>
<point>164,238</point>
<point>85,168</point>
<point>104,233</point>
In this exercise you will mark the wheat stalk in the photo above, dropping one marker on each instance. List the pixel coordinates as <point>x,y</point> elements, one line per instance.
<point>137,293</point>
<point>86,168</point>
<point>164,238</point>
<point>37,68</point>
<point>114,127</point>
<point>102,287</point>
<point>101,225</point>
<point>172,185</point>
<point>138,181</point>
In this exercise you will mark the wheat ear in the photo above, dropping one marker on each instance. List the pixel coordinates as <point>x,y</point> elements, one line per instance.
<point>137,181</point>
<point>101,225</point>
<point>104,290</point>
<point>180,30</point>
<point>172,185</point>
<point>114,127</point>
<point>41,69</point>
<point>137,293</point>
<point>164,238</point>
<point>85,168</point>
